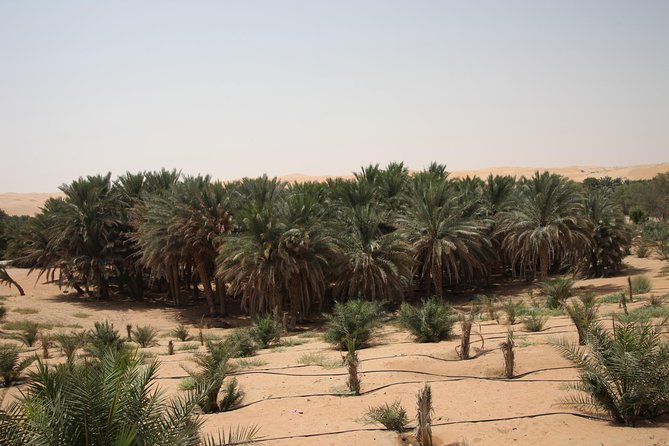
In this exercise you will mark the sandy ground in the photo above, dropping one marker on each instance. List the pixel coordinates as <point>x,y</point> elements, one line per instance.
<point>296,404</point>
<point>29,203</point>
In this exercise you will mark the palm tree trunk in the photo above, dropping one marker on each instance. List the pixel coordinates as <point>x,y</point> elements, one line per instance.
<point>220,289</point>
<point>173,280</point>
<point>206,284</point>
<point>438,285</point>
<point>543,262</point>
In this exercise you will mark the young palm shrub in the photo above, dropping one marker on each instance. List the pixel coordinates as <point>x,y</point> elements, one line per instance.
<point>70,343</point>
<point>116,395</point>
<point>557,291</point>
<point>355,321</point>
<point>513,310</point>
<point>624,373</point>
<point>488,305</point>
<point>145,336</point>
<point>11,364</point>
<point>391,416</point>
<point>267,330</point>
<point>432,322</point>
<point>424,416</point>
<point>534,321</point>
<point>211,374</point>
<point>181,333</point>
<point>103,336</point>
<point>30,334</point>
<point>583,312</point>
<point>641,285</point>
<point>232,396</point>
<point>656,301</point>
<point>240,343</point>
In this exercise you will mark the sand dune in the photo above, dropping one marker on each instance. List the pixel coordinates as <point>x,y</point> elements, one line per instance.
<point>29,203</point>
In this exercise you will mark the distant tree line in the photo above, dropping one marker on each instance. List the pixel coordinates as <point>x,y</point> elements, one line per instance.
<point>386,234</point>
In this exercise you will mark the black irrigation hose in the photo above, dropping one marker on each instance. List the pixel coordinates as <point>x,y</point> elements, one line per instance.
<point>386,386</point>
<point>445,423</point>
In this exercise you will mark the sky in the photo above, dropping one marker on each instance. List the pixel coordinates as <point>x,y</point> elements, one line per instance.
<point>248,87</point>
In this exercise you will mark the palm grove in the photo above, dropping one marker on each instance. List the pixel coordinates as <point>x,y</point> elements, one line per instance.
<point>384,235</point>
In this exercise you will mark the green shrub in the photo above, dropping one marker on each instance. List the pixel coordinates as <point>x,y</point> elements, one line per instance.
<point>513,309</point>
<point>70,343</point>
<point>232,396</point>
<point>181,333</point>
<point>534,321</point>
<point>187,384</point>
<point>102,337</point>
<point>267,330</point>
<point>486,304</point>
<point>11,364</point>
<point>145,336</point>
<point>354,321</point>
<point>642,250</point>
<point>110,402</point>
<point>211,373</point>
<point>637,215</point>
<point>29,334</point>
<point>393,416</point>
<point>641,285</point>
<point>240,343</point>
<point>583,313</point>
<point>624,372</point>
<point>557,291</point>
<point>432,322</point>
<point>656,301</point>
<point>646,313</point>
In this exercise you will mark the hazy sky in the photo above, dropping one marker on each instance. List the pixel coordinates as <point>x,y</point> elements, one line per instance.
<point>321,87</point>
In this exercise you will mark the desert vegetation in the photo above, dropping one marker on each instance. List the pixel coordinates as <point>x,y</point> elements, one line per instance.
<point>388,262</point>
<point>384,235</point>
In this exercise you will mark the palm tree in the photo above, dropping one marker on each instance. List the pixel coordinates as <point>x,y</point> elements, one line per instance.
<point>79,235</point>
<point>610,239</point>
<point>181,229</point>
<point>201,216</point>
<point>372,265</point>
<point>113,401</point>
<point>545,224</point>
<point>280,252</point>
<point>624,372</point>
<point>447,237</point>
<point>498,193</point>
<point>160,249</point>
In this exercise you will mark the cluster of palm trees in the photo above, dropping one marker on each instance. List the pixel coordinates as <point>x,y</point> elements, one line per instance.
<point>385,234</point>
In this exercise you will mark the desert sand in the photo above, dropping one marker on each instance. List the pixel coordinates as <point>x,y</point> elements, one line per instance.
<point>14,203</point>
<point>297,404</point>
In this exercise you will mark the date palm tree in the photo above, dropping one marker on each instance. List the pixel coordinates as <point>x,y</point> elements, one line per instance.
<point>79,235</point>
<point>279,255</point>
<point>610,239</point>
<point>372,264</point>
<point>545,225</point>
<point>110,401</point>
<point>447,236</point>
